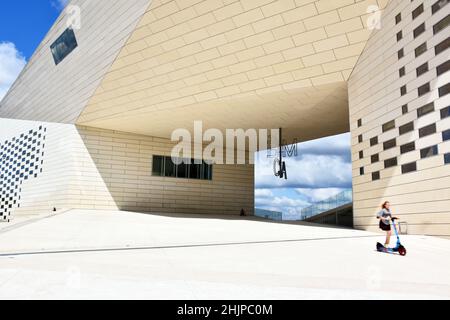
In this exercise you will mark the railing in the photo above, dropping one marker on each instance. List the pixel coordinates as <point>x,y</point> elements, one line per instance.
<point>339,200</point>
<point>267,214</point>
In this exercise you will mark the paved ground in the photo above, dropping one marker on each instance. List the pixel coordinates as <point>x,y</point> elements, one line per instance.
<point>108,255</point>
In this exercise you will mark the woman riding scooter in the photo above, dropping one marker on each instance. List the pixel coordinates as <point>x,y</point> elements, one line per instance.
<point>385,216</point>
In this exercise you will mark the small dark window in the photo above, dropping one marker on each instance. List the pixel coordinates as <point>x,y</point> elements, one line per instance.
<point>360,138</point>
<point>406,128</point>
<point>389,126</point>
<point>442,46</point>
<point>405,109</point>
<point>423,89</point>
<point>417,12</point>
<point>359,123</point>
<point>64,45</point>
<point>373,141</point>
<point>443,68</point>
<point>428,130</point>
<point>188,169</point>
<point>403,90</point>
<point>438,5</point>
<point>421,49</point>
<point>376,176</point>
<point>409,167</point>
<point>441,25</point>
<point>447,158</point>
<point>398,18</point>
<point>158,166</point>
<point>361,171</point>
<point>444,90</point>
<point>422,69</point>
<point>426,109</point>
<point>408,147</point>
<point>390,144</point>
<point>446,135</point>
<point>401,72</point>
<point>389,163</point>
<point>361,154</point>
<point>445,113</point>
<point>419,30</point>
<point>400,53</point>
<point>399,36</point>
<point>375,158</point>
<point>429,152</point>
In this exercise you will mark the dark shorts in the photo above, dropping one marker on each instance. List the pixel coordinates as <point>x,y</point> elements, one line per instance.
<point>385,227</point>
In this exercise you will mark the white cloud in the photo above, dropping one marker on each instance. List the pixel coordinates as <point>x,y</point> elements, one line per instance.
<point>259,193</point>
<point>319,194</point>
<point>11,64</point>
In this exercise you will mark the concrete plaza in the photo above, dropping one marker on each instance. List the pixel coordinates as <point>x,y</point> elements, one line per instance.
<point>123,255</point>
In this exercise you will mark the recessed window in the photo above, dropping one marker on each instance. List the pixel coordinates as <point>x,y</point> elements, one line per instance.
<point>359,123</point>
<point>375,158</point>
<point>419,30</point>
<point>389,163</point>
<point>389,125</point>
<point>442,46</point>
<point>373,141</point>
<point>428,130</point>
<point>408,147</point>
<point>422,69</point>
<point>401,72</point>
<point>446,135</point>
<point>421,49</point>
<point>400,53</point>
<point>403,90</point>
<point>443,68</point>
<point>390,144</point>
<point>445,113</point>
<point>406,128</point>
<point>447,158</point>
<point>438,5</point>
<point>360,138</point>
<point>429,152</point>
<point>417,12</point>
<point>441,25</point>
<point>361,171</point>
<point>188,169</point>
<point>405,109</point>
<point>398,18</point>
<point>426,109</point>
<point>64,45</point>
<point>409,167</point>
<point>399,36</point>
<point>444,90</point>
<point>376,176</point>
<point>424,89</point>
<point>361,155</point>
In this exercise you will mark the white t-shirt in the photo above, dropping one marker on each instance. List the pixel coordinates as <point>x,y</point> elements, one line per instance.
<point>385,213</point>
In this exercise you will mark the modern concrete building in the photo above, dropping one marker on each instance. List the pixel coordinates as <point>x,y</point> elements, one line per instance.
<point>98,103</point>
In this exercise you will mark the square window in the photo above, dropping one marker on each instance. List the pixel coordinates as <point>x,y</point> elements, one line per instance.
<point>443,68</point>
<point>419,30</point>
<point>446,135</point>
<point>428,130</point>
<point>373,141</point>
<point>447,158</point>
<point>408,147</point>
<point>63,46</point>
<point>389,163</point>
<point>406,128</point>
<point>398,18</point>
<point>442,46</point>
<point>375,158</point>
<point>417,12</point>
<point>422,69</point>
<point>441,25</point>
<point>438,5</point>
<point>399,36</point>
<point>426,109</point>
<point>444,90</point>
<point>360,138</point>
<point>424,89</point>
<point>400,54</point>
<point>361,155</point>
<point>405,109</point>
<point>409,167</point>
<point>376,176</point>
<point>420,49</point>
<point>445,113</point>
<point>428,152</point>
<point>389,126</point>
<point>401,72</point>
<point>390,144</point>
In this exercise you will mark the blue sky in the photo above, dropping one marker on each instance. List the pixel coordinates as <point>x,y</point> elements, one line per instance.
<point>322,168</point>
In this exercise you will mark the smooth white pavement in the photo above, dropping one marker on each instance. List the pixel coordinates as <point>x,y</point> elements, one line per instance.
<point>123,255</point>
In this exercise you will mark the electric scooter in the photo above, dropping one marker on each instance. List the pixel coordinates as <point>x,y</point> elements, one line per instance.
<point>398,248</point>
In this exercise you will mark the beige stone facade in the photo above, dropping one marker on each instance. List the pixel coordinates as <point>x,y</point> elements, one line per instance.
<point>409,171</point>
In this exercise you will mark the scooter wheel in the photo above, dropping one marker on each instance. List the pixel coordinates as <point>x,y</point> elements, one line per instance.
<point>402,251</point>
